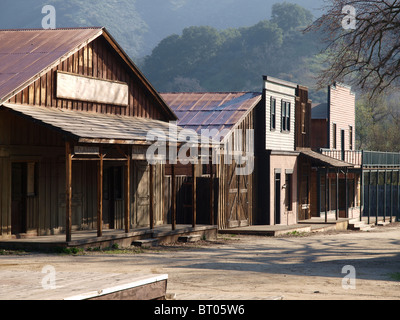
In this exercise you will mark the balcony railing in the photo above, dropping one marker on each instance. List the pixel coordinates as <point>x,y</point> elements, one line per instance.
<point>367,159</point>
<point>354,157</point>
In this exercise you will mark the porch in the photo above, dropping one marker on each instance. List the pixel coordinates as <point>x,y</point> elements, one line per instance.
<point>88,238</point>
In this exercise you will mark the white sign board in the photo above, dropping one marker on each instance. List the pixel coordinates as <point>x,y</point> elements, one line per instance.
<point>82,88</point>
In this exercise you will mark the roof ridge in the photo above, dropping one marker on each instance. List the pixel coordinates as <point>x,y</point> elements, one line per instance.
<point>57,29</point>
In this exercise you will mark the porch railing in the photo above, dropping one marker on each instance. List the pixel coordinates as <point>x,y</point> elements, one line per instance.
<point>366,159</point>
<point>354,157</point>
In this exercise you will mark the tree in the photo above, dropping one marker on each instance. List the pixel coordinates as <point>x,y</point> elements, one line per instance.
<point>289,16</point>
<point>363,44</point>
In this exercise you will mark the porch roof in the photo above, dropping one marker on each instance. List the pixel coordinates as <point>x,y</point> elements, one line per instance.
<point>324,160</point>
<point>88,127</point>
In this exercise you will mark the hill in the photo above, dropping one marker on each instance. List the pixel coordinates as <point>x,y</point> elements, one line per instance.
<point>139,25</point>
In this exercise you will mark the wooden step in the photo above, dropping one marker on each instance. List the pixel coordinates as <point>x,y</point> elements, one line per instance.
<point>192,238</point>
<point>145,243</point>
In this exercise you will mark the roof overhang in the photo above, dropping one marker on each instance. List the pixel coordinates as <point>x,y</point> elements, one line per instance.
<point>87,127</point>
<point>323,160</point>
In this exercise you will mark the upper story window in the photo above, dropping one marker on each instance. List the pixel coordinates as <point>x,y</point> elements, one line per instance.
<point>334,136</point>
<point>351,138</point>
<point>285,116</point>
<point>273,114</point>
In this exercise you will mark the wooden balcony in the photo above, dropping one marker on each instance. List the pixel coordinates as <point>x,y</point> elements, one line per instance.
<point>365,159</point>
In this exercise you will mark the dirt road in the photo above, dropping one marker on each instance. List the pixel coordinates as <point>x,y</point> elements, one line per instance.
<point>249,267</point>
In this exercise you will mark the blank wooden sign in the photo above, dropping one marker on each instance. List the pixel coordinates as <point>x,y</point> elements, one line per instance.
<point>82,88</point>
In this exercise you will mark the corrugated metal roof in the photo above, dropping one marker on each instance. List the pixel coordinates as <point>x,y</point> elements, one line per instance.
<point>95,127</point>
<point>25,53</point>
<point>211,110</point>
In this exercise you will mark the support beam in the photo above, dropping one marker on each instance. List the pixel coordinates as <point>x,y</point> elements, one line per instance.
<point>100,170</point>
<point>194,196</point>
<point>173,200</point>
<point>347,193</point>
<point>391,196</point>
<point>377,197</point>
<point>211,194</point>
<point>151,197</point>
<point>337,194</point>
<point>326,193</point>
<point>68,185</point>
<point>361,194</point>
<point>127,216</point>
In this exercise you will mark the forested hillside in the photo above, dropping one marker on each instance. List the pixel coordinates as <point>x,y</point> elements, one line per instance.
<point>235,59</point>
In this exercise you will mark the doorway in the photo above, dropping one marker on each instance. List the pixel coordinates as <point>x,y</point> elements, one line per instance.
<point>112,194</point>
<point>277,198</point>
<point>18,198</point>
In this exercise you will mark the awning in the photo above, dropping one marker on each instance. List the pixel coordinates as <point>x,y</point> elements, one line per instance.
<point>88,127</point>
<point>324,160</point>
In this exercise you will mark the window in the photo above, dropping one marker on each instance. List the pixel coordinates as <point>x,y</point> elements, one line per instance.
<point>273,114</point>
<point>285,116</point>
<point>288,191</point>
<point>303,118</point>
<point>351,138</point>
<point>334,141</point>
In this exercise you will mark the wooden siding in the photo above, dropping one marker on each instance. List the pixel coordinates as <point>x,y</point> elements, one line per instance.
<point>276,139</point>
<point>303,118</point>
<point>99,60</point>
<point>341,113</point>
<point>319,133</point>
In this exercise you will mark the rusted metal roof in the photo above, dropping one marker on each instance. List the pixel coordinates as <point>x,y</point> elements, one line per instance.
<point>102,128</point>
<point>324,160</point>
<point>26,53</point>
<point>211,110</point>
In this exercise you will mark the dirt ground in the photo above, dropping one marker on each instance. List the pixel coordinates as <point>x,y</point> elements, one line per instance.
<point>306,267</point>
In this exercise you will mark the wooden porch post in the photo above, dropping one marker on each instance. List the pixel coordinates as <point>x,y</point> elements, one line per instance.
<point>377,197</point>
<point>337,194</point>
<point>68,202</point>
<point>100,196</point>
<point>194,196</point>
<point>326,194</point>
<point>211,194</point>
<point>347,193</point>
<point>151,197</point>
<point>173,200</point>
<point>127,221</point>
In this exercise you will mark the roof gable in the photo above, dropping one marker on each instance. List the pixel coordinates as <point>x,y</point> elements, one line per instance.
<point>25,55</point>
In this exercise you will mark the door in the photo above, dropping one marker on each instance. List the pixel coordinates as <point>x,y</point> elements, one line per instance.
<point>112,194</point>
<point>277,210</point>
<point>18,198</point>
<point>237,206</point>
<point>304,193</point>
<point>142,193</point>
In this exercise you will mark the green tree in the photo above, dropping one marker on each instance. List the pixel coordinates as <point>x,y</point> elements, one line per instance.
<point>289,16</point>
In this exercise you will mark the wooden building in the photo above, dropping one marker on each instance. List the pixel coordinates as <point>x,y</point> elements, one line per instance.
<point>331,178</point>
<point>227,117</point>
<point>75,112</point>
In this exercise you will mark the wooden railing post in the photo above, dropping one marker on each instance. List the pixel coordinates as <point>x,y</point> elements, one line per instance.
<point>68,184</point>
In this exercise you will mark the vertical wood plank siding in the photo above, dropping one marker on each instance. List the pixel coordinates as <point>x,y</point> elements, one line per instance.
<point>97,59</point>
